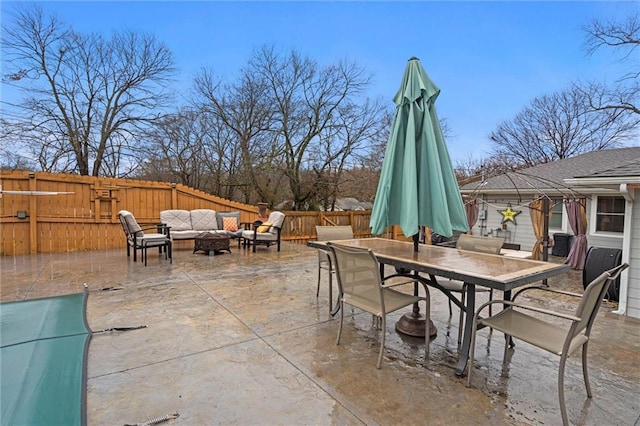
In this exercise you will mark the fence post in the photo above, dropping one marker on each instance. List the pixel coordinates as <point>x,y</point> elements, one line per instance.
<point>33,215</point>
<point>174,196</point>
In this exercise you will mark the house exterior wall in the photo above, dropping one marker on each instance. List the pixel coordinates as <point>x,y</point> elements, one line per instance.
<point>633,274</point>
<point>522,233</point>
<point>595,239</point>
<point>519,233</point>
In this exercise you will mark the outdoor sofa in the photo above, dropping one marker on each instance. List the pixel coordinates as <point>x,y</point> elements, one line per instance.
<point>187,224</point>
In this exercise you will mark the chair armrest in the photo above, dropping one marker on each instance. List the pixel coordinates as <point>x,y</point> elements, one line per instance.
<point>547,289</point>
<point>406,280</point>
<point>246,225</point>
<point>527,307</point>
<point>163,228</point>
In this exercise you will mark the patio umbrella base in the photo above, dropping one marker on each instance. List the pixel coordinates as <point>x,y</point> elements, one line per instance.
<point>413,324</point>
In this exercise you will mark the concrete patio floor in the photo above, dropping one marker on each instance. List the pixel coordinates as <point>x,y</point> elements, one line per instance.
<point>242,339</point>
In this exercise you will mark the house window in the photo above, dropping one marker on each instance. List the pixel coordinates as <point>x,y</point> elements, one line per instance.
<point>555,221</point>
<point>610,214</point>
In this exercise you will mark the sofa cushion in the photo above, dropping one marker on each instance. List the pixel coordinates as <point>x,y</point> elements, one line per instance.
<point>265,236</point>
<point>178,220</point>
<point>203,220</point>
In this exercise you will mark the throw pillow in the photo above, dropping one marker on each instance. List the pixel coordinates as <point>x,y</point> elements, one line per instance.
<point>264,227</point>
<point>230,224</point>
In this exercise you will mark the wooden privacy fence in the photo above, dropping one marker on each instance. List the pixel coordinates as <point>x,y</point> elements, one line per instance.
<point>84,214</point>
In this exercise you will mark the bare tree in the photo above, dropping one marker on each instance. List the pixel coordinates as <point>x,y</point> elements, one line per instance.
<point>295,125</point>
<point>558,126</point>
<point>246,110</point>
<point>623,37</point>
<point>317,110</point>
<point>87,96</point>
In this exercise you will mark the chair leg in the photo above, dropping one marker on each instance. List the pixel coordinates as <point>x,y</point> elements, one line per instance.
<point>341,320</point>
<point>427,313</point>
<point>318,286</point>
<point>330,272</point>
<point>463,296</point>
<point>563,407</point>
<point>585,369</point>
<point>472,351</point>
<point>384,335</point>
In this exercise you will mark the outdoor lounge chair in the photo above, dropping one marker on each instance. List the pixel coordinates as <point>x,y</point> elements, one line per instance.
<point>471,243</point>
<point>362,287</point>
<point>325,261</point>
<point>265,232</point>
<point>561,340</point>
<point>138,240</point>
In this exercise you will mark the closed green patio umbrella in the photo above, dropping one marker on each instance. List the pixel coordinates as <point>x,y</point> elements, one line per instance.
<point>417,184</point>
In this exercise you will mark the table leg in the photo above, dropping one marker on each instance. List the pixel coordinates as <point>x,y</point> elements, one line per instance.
<point>468,325</point>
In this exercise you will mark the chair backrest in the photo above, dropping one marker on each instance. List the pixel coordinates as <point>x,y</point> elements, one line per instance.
<point>129,223</point>
<point>328,233</point>
<point>592,298</point>
<point>358,275</point>
<point>276,219</point>
<point>479,244</point>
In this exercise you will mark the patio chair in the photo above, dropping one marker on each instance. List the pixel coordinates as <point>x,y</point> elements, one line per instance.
<point>362,287</point>
<point>138,240</point>
<point>325,261</point>
<point>561,340</point>
<point>477,244</point>
<point>265,232</point>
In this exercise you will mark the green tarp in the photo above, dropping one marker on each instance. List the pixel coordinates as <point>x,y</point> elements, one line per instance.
<point>43,346</point>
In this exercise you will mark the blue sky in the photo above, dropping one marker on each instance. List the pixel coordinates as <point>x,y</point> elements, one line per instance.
<point>490,59</point>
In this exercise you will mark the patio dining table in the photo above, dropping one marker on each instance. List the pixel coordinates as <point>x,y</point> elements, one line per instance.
<point>498,272</point>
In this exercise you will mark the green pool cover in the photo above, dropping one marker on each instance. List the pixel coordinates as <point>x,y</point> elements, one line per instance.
<point>43,348</point>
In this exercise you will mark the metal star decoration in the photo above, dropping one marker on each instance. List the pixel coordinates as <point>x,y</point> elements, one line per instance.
<point>509,215</point>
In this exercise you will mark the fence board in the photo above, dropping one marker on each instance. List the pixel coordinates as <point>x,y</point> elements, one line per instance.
<point>87,219</point>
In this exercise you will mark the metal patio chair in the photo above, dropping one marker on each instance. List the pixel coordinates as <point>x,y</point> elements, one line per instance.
<point>325,258</point>
<point>561,340</point>
<point>138,240</point>
<point>265,232</point>
<point>362,287</point>
<point>477,244</point>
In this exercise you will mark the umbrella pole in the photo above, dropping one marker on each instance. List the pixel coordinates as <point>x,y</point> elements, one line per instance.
<point>414,324</point>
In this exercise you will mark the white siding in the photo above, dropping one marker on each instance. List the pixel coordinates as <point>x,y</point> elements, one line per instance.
<point>633,286</point>
<point>522,233</point>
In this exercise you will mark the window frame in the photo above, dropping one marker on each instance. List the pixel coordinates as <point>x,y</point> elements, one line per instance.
<point>563,216</point>
<point>595,213</point>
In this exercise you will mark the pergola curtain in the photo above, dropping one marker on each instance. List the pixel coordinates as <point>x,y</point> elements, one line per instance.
<point>471,209</point>
<point>536,209</point>
<point>577,215</point>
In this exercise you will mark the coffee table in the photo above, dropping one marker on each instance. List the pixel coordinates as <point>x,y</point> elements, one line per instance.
<point>211,242</point>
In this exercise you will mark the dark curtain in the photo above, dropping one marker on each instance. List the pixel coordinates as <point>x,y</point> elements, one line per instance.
<point>577,215</point>
<point>471,209</point>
